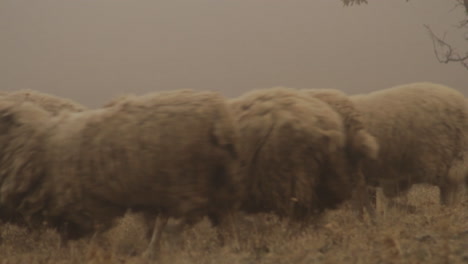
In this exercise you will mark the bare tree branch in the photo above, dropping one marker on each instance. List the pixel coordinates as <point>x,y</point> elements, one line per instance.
<point>358,2</point>
<point>465,3</point>
<point>352,2</point>
<point>444,52</point>
<point>463,23</point>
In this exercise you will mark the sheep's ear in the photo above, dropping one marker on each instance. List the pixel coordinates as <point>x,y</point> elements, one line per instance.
<point>366,144</point>
<point>334,140</point>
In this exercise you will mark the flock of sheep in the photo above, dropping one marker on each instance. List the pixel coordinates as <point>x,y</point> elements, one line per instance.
<point>188,155</point>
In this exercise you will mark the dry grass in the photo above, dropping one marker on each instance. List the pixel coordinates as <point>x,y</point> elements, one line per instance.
<point>431,234</point>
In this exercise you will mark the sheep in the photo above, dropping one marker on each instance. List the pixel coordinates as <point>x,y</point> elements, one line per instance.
<point>422,132</point>
<point>168,154</point>
<point>361,146</point>
<point>51,103</point>
<point>291,154</point>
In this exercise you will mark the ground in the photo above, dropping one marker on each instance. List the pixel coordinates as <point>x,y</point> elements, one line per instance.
<point>430,234</point>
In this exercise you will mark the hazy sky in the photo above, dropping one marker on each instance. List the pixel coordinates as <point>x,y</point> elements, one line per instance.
<point>92,50</point>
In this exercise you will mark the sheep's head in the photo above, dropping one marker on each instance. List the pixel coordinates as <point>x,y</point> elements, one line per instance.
<point>365,145</point>
<point>361,145</point>
<point>336,175</point>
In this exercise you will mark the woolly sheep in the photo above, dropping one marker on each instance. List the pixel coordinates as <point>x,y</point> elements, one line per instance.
<point>171,154</point>
<point>421,129</point>
<point>292,153</point>
<point>50,103</point>
<point>361,146</point>
<point>54,105</point>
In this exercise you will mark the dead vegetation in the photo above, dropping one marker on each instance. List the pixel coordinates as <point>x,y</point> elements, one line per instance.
<point>431,234</point>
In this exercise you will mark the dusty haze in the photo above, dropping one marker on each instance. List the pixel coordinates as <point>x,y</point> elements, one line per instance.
<point>91,50</point>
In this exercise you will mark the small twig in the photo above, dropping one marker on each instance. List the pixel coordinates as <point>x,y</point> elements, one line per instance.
<point>352,2</point>
<point>450,55</point>
<point>463,23</point>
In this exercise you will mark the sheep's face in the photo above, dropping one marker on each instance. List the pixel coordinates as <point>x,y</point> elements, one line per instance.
<point>361,148</point>
<point>338,177</point>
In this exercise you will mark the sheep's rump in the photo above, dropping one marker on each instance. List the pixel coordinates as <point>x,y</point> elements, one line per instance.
<point>50,103</point>
<point>291,150</point>
<point>421,129</point>
<point>169,153</point>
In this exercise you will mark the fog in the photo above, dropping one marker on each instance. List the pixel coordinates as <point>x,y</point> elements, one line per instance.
<point>92,50</point>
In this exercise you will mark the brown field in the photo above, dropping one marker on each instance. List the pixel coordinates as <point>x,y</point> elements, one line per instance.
<point>431,234</point>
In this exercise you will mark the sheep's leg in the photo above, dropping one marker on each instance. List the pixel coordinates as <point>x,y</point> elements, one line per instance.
<point>176,230</point>
<point>149,220</point>
<point>363,197</point>
<point>64,241</point>
<point>450,193</point>
<point>229,224</point>
<point>219,223</point>
<point>400,189</point>
<point>225,226</point>
<point>364,200</point>
<point>232,227</point>
<point>381,201</point>
<point>371,204</point>
<point>152,252</point>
